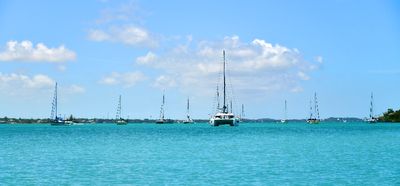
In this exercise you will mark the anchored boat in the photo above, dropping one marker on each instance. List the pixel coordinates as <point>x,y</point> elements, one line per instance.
<point>223,116</point>
<point>372,118</point>
<point>188,119</point>
<point>284,120</point>
<point>162,119</point>
<point>118,118</point>
<point>314,113</point>
<point>55,119</point>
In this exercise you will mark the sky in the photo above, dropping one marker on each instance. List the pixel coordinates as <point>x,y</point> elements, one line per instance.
<point>275,51</point>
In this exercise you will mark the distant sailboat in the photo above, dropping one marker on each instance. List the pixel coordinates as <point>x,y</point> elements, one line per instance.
<point>188,119</point>
<point>162,119</point>
<point>372,118</point>
<point>55,119</point>
<point>314,114</point>
<point>118,116</point>
<point>284,120</point>
<point>224,117</point>
<point>242,113</point>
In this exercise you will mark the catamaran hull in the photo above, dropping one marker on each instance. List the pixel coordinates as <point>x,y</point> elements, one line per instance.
<point>372,121</point>
<point>60,124</point>
<point>166,121</point>
<point>313,121</point>
<point>121,122</point>
<point>218,122</point>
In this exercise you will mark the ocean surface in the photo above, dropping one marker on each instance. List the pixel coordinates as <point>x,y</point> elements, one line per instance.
<point>198,154</point>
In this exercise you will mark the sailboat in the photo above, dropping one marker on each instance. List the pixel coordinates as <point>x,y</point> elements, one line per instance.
<point>284,120</point>
<point>118,117</point>
<point>55,119</point>
<point>188,119</point>
<point>314,114</point>
<point>223,116</point>
<point>371,118</point>
<point>162,119</point>
<point>242,113</point>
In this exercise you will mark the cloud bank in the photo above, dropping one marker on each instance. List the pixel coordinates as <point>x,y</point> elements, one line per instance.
<point>130,35</point>
<point>195,66</point>
<point>25,82</point>
<point>26,51</point>
<point>17,84</point>
<point>256,66</point>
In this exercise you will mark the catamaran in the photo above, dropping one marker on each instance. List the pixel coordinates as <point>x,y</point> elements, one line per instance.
<point>118,117</point>
<point>284,120</point>
<point>372,118</point>
<point>55,119</point>
<point>188,119</point>
<point>223,116</point>
<point>314,114</point>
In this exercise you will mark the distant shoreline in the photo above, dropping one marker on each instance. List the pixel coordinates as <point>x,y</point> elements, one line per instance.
<point>6,120</point>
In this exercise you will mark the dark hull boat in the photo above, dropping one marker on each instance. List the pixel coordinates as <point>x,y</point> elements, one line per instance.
<point>56,120</point>
<point>314,114</point>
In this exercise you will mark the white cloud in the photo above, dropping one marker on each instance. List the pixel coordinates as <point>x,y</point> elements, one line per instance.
<point>296,89</point>
<point>303,76</point>
<point>127,80</point>
<point>125,12</point>
<point>148,58</point>
<point>98,35</point>
<point>25,85</point>
<point>75,89</point>
<point>130,35</point>
<point>123,24</point>
<point>164,82</point>
<point>256,66</point>
<point>319,59</point>
<point>21,81</point>
<point>25,51</point>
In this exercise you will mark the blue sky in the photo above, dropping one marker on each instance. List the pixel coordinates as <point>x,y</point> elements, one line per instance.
<point>276,50</point>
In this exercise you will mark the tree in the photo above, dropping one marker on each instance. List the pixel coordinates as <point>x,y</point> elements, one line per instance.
<point>390,116</point>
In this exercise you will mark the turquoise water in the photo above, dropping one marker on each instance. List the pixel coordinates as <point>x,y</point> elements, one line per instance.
<point>251,154</point>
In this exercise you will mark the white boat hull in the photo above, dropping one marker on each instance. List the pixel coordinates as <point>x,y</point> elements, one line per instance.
<point>372,120</point>
<point>218,121</point>
<point>313,121</point>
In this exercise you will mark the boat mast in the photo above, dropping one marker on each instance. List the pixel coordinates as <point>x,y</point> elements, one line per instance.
<point>54,104</point>
<point>285,111</point>
<point>311,113</point>
<point>119,109</point>
<point>56,101</point>
<point>224,107</point>
<point>371,109</point>
<point>218,106</point>
<point>187,109</point>
<point>162,106</point>
<point>231,106</point>
<point>316,106</point>
<point>242,111</point>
